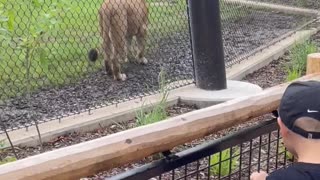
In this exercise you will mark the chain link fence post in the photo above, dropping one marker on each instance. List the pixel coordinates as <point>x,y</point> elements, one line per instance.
<point>207,45</point>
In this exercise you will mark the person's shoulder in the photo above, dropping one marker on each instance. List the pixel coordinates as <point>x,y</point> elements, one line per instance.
<point>296,172</point>
<point>281,174</point>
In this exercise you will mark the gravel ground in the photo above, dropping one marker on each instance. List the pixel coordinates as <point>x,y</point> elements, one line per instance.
<point>311,4</point>
<point>173,53</point>
<point>271,75</point>
<point>75,138</point>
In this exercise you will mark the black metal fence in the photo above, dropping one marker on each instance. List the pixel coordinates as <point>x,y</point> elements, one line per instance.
<point>45,73</point>
<point>234,156</point>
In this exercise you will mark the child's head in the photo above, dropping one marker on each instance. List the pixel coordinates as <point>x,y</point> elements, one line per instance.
<point>299,116</point>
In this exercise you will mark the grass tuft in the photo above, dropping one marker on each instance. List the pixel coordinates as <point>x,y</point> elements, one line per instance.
<point>222,165</point>
<point>298,56</point>
<point>158,112</point>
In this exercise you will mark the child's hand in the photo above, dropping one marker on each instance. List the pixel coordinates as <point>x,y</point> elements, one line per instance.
<point>258,175</point>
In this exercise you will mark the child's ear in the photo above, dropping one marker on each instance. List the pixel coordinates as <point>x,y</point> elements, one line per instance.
<point>283,129</point>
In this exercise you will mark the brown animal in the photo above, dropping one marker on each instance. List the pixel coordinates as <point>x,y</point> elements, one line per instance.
<point>120,21</point>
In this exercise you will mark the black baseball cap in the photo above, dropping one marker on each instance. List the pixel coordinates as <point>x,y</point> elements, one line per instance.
<point>300,99</point>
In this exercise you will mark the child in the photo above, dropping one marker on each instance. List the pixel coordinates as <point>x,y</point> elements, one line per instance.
<point>299,122</point>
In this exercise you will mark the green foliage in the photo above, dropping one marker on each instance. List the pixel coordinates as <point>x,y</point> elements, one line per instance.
<point>298,56</point>
<point>32,41</point>
<point>225,162</point>
<point>2,144</point>
<point>158,112</point>
<point>302,3</point>
<point>293,74</point>
<point>8,158</point>
<point>282,149</point>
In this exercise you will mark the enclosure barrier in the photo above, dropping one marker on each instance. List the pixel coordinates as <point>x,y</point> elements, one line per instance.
<point>208,160</point>
<point>58,80</point>
<point>132,145</point>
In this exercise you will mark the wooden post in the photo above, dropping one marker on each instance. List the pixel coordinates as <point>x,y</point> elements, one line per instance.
<point>313,63</point>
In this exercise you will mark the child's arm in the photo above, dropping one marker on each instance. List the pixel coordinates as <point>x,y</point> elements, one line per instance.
<point>258,175</point>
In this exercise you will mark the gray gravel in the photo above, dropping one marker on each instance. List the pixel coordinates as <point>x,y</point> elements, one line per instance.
<point>311,4</point>
<point>173,53</point>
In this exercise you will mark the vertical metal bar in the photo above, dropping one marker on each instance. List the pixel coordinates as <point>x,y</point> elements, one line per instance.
<point>277,150</point>
<point>268,155</point>
<point>11,144</point>
<point>285,157</point>
<point>39,135</point>
<point>220,158</point>
<point>230,162</point>
<point>198,167</point>
<point>259,156</point>
<point>172,174</point>
<point>250,157</point>
<point>240,161</point>
<point>209,167</point>
<point>185,171</point>
<point>207,45</point>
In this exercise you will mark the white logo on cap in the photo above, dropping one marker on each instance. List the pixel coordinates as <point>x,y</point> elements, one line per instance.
<point>312,111</point>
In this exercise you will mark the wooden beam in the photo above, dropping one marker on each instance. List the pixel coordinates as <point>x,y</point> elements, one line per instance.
<point>313,63</point>
<point>128,146</point>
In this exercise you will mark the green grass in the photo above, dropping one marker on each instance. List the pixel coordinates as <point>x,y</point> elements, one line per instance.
<point>68,46</point>
<point>158,112</point>
<point>220,162</point>
<point>231,12</point>
<point>298,57</point>
<point>282,150</point>
<point>8,158</point>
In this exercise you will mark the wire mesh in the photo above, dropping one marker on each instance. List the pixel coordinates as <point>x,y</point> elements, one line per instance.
<point>45,72</point>
<point>309,4</point>
<point>249,28</point>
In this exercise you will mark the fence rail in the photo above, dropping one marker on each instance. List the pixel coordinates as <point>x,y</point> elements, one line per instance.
<point>257,147</point>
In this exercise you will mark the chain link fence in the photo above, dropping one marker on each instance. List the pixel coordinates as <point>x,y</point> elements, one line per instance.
<point>309,4</point>
<point>46,47</point>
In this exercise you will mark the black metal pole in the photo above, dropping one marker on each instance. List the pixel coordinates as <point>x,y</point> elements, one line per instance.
<point>207,45</point>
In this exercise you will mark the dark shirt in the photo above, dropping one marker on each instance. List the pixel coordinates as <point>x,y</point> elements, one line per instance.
<point>297,171</point>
